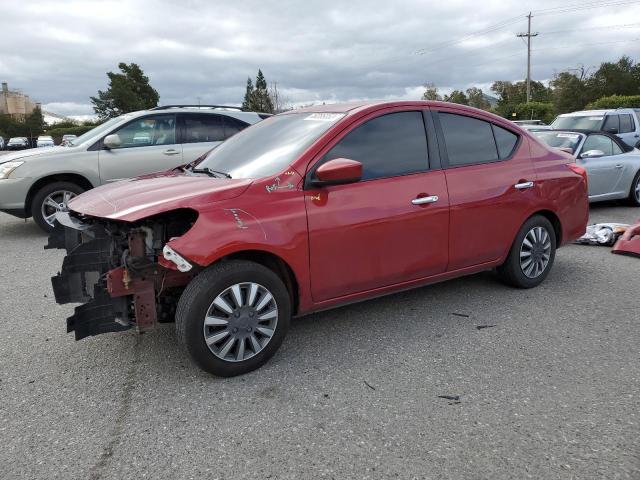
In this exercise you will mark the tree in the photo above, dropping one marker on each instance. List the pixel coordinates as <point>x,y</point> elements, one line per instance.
<point>476,99</point>
<point>534,111</point>
<point>457,96</point>
<point>247,103</point>
<point>280,102</point>
<point>569,92</point>
<point>34,122</point>
<point>511,94</point>
<point>128,91</point>
<point>620,78</point>
<point>431,92</point>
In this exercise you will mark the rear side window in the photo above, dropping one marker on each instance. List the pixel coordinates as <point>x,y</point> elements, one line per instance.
<point>626,123</point>
<point>611,121</point>
<point>203,128</point>
<point>233,126</point>
<point>468,140</point>
<point>505,140</point>
<point>388,146</point>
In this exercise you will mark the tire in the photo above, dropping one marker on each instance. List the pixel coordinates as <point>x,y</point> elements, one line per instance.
<point>57,191</point>
<point>199,301</point>
<point>520,274</point>
<point>634,193</point>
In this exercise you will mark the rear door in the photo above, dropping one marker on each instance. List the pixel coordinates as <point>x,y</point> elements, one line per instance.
<point>148,144</point>
<point>373,233</point>
<point>491,182</point>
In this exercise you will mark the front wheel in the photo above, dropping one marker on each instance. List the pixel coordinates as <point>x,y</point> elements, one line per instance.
<point>233,317</point>
<point>51,199</point>
<point>531,256</point>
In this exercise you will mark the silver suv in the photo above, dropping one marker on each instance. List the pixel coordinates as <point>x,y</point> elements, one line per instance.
<point>39,182</point>
<point>623,122</point>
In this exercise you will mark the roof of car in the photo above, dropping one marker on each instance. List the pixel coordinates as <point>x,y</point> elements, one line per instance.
<point>613,137</point>
<point>588,113</point>
<point>355,106</point>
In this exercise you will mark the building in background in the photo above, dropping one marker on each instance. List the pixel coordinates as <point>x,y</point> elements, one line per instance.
<point>14,103</point>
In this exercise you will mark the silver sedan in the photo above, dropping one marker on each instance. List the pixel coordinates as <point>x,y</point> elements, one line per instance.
<point>613,168</point>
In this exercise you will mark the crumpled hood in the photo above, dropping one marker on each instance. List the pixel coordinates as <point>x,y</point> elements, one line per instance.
<point>35,152</point>
<point>142,197</point>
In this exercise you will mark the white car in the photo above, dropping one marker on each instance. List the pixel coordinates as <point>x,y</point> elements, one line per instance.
<point>623,122</point>
<point>45,141</point>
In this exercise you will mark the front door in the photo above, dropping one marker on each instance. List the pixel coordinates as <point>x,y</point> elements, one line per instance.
<point>604,172</point>
<point>147,145</point>
<point>377,232</point>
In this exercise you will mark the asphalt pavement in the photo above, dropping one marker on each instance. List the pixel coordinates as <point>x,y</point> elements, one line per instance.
<point>467,379</point>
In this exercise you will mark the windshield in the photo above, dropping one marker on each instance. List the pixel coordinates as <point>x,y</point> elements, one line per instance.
<point>96,132</point>
<point>582,122</point>
<point>560,139</point>
<point>269,146</point>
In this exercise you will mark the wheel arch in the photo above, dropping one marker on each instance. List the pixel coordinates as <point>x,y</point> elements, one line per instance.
<point>555,222</point>
<point>274,263</point>
<point>76,178</point>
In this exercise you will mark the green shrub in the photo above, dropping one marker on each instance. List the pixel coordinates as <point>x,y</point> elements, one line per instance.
<point>534,111</point>
<point>616,101</point>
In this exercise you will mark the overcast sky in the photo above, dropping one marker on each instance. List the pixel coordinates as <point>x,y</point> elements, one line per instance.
<point>58,52</point>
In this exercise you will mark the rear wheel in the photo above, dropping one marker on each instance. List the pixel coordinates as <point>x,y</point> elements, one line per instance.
<point>50,199</point>
<point>233,317</point>
<point>634,193</point>
<point>531,256</point>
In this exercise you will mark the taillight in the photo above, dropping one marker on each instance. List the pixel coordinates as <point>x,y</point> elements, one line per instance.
<point>578,169</point>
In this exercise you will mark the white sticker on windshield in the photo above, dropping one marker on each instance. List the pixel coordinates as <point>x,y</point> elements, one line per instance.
<point>595,118</point>
<point>568,135</point>
<point>324,117</point>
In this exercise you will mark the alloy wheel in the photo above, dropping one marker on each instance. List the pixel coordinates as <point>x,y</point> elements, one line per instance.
<point>535,252</point>
<point>637,190</point>
<point>240,322</point>
<point>55,202</point>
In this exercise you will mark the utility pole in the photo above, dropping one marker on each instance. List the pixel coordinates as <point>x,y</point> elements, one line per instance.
<point>528,35</point>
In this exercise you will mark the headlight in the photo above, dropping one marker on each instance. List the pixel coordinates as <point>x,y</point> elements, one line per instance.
<point>7,168</point>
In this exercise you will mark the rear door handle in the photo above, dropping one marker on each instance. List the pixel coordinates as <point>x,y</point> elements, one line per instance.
<point>423,200</point>
<point>619,166</point>
<point>523,185</point>
<point>171,151</point>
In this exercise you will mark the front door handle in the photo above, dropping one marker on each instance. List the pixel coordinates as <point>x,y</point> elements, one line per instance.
<point>619,166</point>
<point>523,185</point>
<point>171,151</point>
<point>423,200</point>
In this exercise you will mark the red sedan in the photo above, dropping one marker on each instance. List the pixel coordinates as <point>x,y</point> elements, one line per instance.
<point>309,210</point>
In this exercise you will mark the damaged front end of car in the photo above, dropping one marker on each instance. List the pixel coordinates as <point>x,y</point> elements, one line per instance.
<point>124,274</point>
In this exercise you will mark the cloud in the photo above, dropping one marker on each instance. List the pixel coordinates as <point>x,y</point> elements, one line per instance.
<point>315,50</point>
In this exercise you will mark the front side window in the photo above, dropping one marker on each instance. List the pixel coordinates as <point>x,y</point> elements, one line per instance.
<point>387,146</point>
<point>611,122</point>
<point>468,140</point>
<point>598,142</point>
<point>148,131</point>
<point>203,128</point>
<point>626,123</point>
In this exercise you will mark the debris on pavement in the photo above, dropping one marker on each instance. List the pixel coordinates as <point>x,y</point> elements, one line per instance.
<point>453,399</point>
<point>602,234</point>
<point>480,327</point>
<point>369,385</point>
<point>464,315</point>
<point>629,242</point>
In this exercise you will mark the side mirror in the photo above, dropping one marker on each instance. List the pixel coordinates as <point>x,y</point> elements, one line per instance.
<point>592,154</point>
<point>338,172</point>
<point>112,141</point>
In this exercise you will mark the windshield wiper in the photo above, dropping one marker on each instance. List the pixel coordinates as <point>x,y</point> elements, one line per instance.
<point>209,171</point>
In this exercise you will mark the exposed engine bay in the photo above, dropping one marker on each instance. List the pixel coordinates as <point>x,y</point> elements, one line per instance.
<point>123,274</point>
